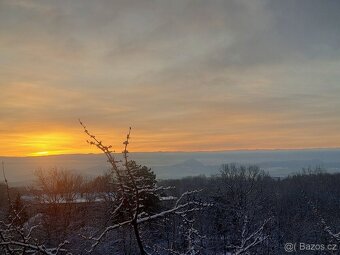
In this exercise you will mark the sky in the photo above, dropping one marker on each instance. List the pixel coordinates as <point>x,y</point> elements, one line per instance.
<point>185,75</point>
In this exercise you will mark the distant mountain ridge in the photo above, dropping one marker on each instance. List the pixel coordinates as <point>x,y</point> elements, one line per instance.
<point>167,165</point>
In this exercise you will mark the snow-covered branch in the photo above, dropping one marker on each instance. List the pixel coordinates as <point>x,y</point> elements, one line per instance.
<point>249,240</point>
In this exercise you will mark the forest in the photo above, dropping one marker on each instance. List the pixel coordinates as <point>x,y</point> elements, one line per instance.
<point>242,210</point>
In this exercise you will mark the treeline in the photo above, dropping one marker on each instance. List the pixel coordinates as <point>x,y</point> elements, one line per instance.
<point>242,210</point>
<point>300,209</point>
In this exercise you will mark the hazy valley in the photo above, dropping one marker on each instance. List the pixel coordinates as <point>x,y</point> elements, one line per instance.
<point>173,165</point>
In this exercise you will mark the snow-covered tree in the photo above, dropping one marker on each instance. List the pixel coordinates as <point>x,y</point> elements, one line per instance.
<point>135,189</point>
<point>17,237</point>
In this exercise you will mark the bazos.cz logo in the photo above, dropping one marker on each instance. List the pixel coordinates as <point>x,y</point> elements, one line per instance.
<point>292,247</point>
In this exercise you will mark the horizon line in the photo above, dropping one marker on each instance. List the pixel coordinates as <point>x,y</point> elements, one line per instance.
<point>197,151</point>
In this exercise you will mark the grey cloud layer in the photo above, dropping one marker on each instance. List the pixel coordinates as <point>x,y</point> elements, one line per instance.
<point>161,63</point>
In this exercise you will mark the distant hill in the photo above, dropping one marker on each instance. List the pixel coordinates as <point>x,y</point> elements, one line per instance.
<point>278,163</point>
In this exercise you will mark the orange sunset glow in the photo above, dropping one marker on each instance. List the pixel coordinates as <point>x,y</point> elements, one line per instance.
<point>47,144</point>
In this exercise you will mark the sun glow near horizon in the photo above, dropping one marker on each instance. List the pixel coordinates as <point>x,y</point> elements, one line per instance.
<point>74,142</point>
<point>47,144</point>
<point>41,144</point>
